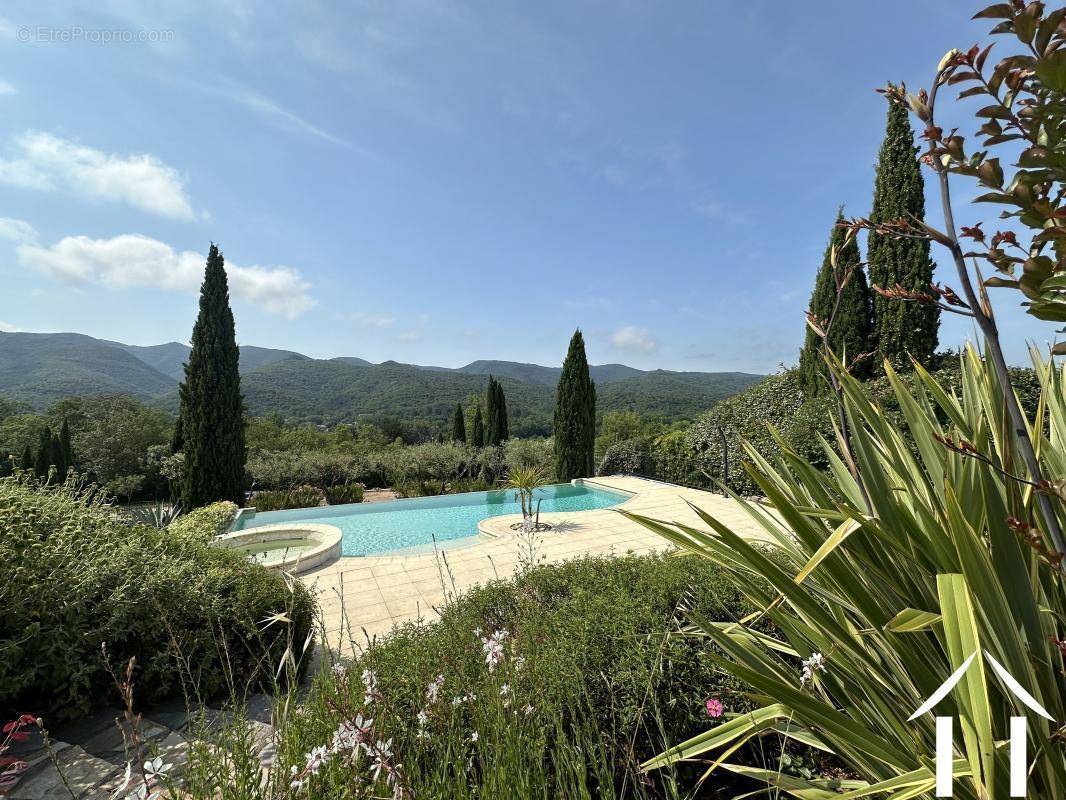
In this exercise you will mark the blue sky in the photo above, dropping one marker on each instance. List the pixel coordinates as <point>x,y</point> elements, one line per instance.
<point>435,182</point>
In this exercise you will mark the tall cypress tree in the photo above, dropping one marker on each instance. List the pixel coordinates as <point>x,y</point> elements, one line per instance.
<point>458,425</point>
<point>492,416</point>
<point>901,328</point>
<point>45,455</point>
<point>502,421</point>
<point>850,335</point>
<point>477,428</point>
<point>574,426</point>
<point>56,449</point>
<point>212,409</point>
<point>27,459</point>
<point>66,449</point>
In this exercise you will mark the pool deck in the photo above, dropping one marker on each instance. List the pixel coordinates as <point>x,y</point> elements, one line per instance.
<point>364,597</point>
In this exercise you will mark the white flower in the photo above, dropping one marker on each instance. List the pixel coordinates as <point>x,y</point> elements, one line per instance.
<point>339,670</point>
<point>493,647</point>
<point>382,754</point>
<point>474,736</point>
<point>816,663</point>
<point>528,709</point>
<point>433,689</point>
<point>422,718</point>
<point>370,687</point>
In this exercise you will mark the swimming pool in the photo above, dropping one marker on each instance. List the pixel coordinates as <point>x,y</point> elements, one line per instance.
<point>370,528</point>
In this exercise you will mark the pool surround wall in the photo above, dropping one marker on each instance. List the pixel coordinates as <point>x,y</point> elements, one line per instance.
<point>326,541</point>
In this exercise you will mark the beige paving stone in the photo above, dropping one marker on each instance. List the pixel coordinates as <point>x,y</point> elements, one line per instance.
<point>376,592</point>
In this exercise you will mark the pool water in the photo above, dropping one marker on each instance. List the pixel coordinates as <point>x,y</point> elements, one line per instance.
<point>370,528</point>
<point>277,550</point>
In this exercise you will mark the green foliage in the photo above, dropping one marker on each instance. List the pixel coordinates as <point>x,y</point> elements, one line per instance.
<point>459,425</point>
<point>477,428</point>
<point>848,319</point>
<point>77,579</point>
<point>603,673</point>
<point>574,424</point>
<point>981,575</point>
<point>205,522</point>
<point>902,330</point>
<point>296,497</point>
<point>212,410</point>
<point>673,460</point>
<point>344,494</point>
<point>743,417</point>
<point>628,457</point>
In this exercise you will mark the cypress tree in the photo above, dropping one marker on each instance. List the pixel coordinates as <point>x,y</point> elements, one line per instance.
<point>492,418</point>
<point>45,456</point>
<point>458,425</point>
<point>27,459</point>
<point>212,409</point>
<point>850,335</point>
<point>901,328</point>
<point>502,422</point>
<point>477,428</point>
<point>177,440</point>
<point>56,450</point>
<point>66,449</point>
<point>574,426</point>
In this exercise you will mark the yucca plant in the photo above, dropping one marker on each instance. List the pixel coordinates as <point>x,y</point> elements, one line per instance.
<point>525,480</point>
<point>878,607</point>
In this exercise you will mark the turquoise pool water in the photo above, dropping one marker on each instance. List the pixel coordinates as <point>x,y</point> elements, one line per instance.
<point>370,528</point>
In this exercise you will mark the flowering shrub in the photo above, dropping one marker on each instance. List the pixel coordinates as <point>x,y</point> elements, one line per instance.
<point>205,523</point>
<point>76,579</point>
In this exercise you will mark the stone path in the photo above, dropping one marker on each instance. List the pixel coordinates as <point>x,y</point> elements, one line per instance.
<point>366,596</point>
<point>92,754</point>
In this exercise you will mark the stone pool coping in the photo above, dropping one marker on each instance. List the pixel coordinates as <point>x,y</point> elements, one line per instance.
<point>328,547</point>
<point>365,596</point>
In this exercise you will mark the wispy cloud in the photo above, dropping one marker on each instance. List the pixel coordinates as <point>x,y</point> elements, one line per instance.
<point>7,327</point>
<point>634,340</point>
<point>288,121</point>
<point>411,336</point>
<point>373,320</point>
<point>7,87</point>
<point>17,230</point>
<point>132,260</point>
<point>48,163</point>
<point>712,209</point>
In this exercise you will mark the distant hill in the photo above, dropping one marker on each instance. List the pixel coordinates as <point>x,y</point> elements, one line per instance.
<point>39,369</point>
<point>170,358</point>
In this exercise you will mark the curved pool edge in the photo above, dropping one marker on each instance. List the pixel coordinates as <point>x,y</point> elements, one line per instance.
<point>328,547</point>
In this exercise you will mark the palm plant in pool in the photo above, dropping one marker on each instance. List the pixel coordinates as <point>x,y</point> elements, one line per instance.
<point>525,480</point>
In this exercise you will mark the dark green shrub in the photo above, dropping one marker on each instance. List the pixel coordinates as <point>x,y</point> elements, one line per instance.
<point>344,493</point>
<point>78,580</point>
<point>298,497</point>
<point>630,457</point>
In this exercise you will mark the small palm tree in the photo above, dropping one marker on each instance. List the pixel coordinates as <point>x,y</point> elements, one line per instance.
<point>525,480</point>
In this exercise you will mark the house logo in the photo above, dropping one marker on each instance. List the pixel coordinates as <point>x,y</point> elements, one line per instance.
<point>945,728</point>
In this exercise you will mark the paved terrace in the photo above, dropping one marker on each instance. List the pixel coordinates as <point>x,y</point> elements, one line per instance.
<point>373,593</point>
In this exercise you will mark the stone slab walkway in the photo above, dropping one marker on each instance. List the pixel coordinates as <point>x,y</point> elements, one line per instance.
<point>365,597</point>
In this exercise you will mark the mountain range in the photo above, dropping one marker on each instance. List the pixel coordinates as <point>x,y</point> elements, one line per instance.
<point>40,368</point>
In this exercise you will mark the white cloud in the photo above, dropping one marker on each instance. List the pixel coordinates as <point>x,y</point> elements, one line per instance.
<point>48,163</point>
<point>633,339</point>
<point>132,260</point>
<point>17,230</point>
<point>7,87</point>
<point>411,336</point>
<point>7,327</point>
<point>283,117</point>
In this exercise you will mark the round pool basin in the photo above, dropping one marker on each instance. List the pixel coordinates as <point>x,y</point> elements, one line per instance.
<point>288,547</point>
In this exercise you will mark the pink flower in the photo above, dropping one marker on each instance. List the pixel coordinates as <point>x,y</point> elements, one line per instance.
<point>714,707</point>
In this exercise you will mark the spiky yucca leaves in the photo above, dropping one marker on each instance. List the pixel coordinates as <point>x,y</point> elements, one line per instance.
<point>896,598</point>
